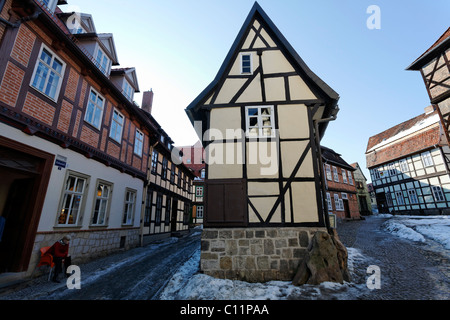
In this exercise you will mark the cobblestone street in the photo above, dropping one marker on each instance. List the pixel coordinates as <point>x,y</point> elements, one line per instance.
<point>409,271</point>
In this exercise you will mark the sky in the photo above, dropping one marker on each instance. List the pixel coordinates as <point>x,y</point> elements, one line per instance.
<point>178,46</point>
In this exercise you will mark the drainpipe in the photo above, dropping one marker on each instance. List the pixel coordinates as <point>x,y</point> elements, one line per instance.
<point>20,21</point>
<point>322,176</point>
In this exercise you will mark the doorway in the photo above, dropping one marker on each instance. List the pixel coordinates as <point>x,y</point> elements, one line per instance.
<point>24,180</point>
<point>346,209</point>
<point>382,202</point>
<point>174,217</point>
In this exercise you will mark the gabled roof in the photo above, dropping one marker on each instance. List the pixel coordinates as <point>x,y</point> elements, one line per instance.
<point>130,75</point>
<point>410,137</point>
<point>193,110</point>
<point>438,47</point>
<point>107,41</point>
<point>331,156</point>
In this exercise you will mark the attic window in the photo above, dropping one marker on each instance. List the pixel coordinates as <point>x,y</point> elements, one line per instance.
<point>49,4</point>
<point>128,90</point>
<point>102,61</point>
<point>246,63</point>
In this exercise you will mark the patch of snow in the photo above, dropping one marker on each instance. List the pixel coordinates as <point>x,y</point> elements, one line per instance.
<point>402,231</point>
<point>418,228</point>
<point>188,284</point>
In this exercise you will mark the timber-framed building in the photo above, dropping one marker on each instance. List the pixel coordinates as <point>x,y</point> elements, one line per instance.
<point>262,119</point>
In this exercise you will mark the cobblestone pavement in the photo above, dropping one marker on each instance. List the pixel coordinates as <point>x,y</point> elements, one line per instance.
<point>409,271</point>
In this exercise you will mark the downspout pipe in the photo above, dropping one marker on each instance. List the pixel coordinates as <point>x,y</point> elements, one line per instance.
<point>20,21</point>
<point>322,175</point>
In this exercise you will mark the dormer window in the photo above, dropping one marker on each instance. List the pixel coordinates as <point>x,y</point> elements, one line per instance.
<point>128,90</point>
<point>50,4</point>
<point>103,61</point>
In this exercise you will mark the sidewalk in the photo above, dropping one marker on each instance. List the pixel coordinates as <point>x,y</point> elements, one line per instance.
<point>40,287</point>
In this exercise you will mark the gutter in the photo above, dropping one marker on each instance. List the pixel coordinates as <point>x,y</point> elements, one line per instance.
<point>322,177</point>
<point>20,21</point>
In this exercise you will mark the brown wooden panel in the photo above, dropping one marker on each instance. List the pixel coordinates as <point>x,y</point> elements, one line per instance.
<point>226,203</point>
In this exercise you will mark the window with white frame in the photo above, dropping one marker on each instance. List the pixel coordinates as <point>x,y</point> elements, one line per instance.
<point>246,63</point>
<point>48,73</point>
<point>117,126</point>
<point>404,167</point>
<point>202,174</point>
<point>328,171</point>
<point>72,200</point>
<point>350,178</point>
<point>260,121</point>
<point>102,196</point>
<point>199,191</point>
<point>94,110</point>
<point>130,204</point>
<point>199,212</point>
<point>138,143</point>
<point>335,174</point>
<point>427,159</point>
<point>128,90</point>
<point>344,176</point>
<point>437,193</point>
<point>338,203</point>
<point>412,196</point>
<point>376,174</point>
<point>399,197</point>
<point>391,169</point>
<point>330,206</point>
<point>102,61</point>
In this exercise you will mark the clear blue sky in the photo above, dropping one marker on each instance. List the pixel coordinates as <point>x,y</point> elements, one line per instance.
<point>177,47</point>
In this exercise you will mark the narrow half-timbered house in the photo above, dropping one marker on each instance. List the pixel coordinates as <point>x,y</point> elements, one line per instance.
<point>261,121</point>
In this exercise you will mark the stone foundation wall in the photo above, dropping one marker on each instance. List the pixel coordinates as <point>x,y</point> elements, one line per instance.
<point>86,245</point>
<point>254,254</point>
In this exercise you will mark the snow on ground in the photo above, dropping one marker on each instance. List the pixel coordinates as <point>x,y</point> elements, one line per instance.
<point>419,228</point>
<point>188,284</point>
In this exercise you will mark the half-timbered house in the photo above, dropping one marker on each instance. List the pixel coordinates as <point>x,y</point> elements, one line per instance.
<point>74,148</point>
<point>194,159</point>
<point>434,66</point>
<point>168,198</point>
<point>409,167</point>
<point>362,190</point>
<point>261,121</point>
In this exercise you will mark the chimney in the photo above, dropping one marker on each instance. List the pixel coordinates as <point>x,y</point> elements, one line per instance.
<point>147,101</point>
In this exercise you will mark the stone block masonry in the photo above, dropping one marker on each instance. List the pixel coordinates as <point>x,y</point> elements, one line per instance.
<point>254,254</point>
<point>86,245</point>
